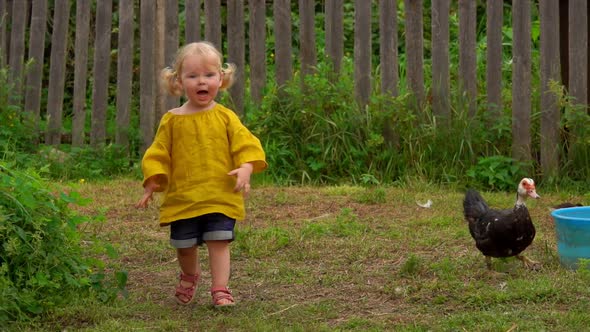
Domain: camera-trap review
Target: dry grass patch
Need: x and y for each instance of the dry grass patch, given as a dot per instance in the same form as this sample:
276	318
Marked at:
347	258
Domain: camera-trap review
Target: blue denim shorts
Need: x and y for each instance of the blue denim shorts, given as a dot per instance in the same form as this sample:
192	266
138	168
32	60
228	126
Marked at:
186	233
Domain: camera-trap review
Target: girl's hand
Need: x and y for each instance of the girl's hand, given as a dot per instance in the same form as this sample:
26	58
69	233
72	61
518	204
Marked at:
150	186
242	175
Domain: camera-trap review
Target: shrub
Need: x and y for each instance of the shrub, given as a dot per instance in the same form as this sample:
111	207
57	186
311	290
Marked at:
87	162
43	262
497	173
315	132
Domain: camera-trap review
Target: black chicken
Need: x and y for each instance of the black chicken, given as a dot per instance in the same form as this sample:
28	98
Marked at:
502	233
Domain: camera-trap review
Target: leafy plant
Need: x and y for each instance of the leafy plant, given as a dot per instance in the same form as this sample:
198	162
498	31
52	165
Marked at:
497	172
17	132
43	261
70	162
314	131
574	123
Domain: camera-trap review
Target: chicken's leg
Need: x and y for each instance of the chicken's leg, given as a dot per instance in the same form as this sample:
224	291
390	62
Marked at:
529	263
489	262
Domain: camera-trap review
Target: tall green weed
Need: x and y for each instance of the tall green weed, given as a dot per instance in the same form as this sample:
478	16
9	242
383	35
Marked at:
314	131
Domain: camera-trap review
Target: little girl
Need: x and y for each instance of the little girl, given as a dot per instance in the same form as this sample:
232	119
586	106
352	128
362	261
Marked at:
202	158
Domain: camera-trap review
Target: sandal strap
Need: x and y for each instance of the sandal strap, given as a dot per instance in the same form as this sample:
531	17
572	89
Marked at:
189	278
224	290
221	293
186	291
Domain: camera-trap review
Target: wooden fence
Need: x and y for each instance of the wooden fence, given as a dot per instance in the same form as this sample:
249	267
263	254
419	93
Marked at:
157	26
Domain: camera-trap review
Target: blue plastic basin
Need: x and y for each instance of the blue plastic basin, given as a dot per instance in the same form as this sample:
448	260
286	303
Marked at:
572	227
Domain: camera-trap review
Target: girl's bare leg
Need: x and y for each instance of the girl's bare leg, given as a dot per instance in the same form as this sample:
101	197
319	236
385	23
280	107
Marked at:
219	261
188	259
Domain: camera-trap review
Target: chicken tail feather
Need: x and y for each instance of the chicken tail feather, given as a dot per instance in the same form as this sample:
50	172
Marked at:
474	206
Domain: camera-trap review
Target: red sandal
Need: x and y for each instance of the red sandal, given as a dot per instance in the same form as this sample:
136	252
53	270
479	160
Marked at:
221	293
187	292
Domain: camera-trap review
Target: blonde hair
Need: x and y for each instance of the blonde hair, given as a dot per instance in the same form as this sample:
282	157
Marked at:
169	77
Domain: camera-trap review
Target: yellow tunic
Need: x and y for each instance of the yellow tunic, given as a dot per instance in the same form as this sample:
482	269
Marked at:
192	155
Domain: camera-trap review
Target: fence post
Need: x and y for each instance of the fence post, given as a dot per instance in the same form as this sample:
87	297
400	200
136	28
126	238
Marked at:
80	71
549	12
307	49
335	33
257	37
124	71
578	50
57	72
362	51
159	50
192	28
494	18
171	45
17	49
147	80
467	53
415	50
389	63
521	80
440	60
213	23
3	26
236	54
578	71
388	47
282	29
101	69
36	54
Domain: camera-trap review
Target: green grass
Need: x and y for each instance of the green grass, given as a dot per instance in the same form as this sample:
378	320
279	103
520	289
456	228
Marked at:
335	258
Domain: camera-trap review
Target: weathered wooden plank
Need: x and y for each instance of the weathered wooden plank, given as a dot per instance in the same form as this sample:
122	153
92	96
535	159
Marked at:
192	28
578	51
415	50
549	17
17	49
3	32
57	71
334	27
36	54
236	42
467	53
564	42
362	51
171	43
521	80
389	64
282	37
578	70
213	23
494	18
101	69
257	37
159	55
124	71
440	60
307	51
147	79
388	46
80	71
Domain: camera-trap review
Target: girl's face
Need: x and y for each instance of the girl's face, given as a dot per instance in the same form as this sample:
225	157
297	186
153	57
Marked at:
201	79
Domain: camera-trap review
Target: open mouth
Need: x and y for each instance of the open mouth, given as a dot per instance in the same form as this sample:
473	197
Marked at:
202	92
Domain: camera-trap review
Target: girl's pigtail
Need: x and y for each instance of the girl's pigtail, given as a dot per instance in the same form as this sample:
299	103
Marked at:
228	78
169	82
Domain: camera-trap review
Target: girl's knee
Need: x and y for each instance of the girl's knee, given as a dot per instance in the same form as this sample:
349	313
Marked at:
186	251
220	243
